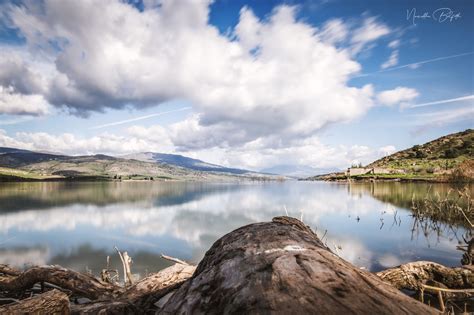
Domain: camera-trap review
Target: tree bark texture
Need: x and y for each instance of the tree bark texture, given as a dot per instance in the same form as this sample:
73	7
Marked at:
281	267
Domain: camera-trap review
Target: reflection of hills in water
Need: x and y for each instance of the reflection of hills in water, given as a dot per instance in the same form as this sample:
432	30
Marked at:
29	196
403	195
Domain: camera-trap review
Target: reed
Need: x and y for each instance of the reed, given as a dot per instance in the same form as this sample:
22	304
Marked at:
456	207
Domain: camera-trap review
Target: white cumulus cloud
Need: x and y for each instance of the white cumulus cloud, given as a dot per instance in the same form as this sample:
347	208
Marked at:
259	93
392	60
12	102
272	76
398	96
369	31
254	155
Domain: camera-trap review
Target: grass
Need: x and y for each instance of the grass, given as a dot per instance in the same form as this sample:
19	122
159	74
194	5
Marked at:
20	174
10	174
142	177
441	156
453	208
408	177
425	165
398	176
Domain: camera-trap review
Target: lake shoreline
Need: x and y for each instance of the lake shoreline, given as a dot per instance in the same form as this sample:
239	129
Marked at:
108	180
369	179
383	180
205	177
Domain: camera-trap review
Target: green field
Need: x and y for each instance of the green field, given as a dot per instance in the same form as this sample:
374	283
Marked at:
12	174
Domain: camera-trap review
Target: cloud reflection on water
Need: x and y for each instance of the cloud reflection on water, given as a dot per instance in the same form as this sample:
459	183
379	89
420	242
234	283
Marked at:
185	219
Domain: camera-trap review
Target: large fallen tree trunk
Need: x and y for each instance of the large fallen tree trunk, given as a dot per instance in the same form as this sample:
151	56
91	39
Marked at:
282	267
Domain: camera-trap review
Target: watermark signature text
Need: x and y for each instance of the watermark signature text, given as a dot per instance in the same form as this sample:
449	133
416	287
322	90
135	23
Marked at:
440	15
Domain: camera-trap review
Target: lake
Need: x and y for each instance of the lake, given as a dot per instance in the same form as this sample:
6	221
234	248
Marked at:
77	224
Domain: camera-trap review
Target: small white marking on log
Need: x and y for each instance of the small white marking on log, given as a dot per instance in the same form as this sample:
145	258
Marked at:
273	250
287	248
296	248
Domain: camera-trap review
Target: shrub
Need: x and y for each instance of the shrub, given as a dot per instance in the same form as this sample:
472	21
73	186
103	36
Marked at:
464	172
451	153
467	146
430	170
420	154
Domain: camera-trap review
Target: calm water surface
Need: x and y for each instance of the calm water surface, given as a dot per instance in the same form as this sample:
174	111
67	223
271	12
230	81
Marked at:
78	224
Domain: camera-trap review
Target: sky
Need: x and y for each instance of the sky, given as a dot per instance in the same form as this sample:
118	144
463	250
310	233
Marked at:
251	84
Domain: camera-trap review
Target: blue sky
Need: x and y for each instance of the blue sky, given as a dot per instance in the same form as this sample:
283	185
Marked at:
242	83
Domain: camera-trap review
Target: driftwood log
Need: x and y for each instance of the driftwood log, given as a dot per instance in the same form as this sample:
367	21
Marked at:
412	275
426	276
106	298
51	302
82	284
276	267
142	296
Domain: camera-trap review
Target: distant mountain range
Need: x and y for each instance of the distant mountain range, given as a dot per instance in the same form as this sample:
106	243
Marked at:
18	164
44	165
297	171
183	161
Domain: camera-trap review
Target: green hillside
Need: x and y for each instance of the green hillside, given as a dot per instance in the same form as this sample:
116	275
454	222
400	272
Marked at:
449	158
10	174
439	156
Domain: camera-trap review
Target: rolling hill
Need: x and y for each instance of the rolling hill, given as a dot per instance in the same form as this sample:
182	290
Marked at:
452	149
183	161
448	158
297	171
18	164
